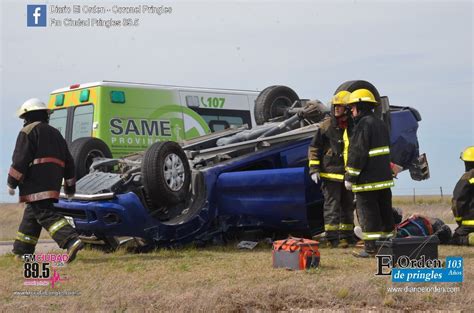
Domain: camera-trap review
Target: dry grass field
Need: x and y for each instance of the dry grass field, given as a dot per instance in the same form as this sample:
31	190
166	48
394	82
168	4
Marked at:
228	279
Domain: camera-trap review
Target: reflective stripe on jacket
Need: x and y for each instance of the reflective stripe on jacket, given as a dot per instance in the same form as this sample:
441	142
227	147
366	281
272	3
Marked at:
463	200
327	152
40	162
368	165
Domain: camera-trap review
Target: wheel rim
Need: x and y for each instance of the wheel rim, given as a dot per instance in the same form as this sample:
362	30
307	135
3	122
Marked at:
91	156
174	172
279	106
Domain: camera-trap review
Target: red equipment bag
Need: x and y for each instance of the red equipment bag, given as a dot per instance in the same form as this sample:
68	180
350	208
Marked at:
295	253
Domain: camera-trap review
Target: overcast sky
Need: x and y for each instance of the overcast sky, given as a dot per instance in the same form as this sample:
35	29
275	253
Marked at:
419	53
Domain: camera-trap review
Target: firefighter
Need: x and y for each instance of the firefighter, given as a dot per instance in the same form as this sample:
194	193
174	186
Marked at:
463	202
41	160
368	172
327	156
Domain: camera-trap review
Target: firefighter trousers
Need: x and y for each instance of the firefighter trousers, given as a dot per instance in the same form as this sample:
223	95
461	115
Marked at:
40	214
374	210
338	210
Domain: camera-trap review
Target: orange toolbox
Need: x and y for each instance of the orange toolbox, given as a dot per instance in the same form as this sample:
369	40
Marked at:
295	253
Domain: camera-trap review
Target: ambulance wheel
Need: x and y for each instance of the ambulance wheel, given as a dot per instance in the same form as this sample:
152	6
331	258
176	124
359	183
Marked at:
84	150
166	174
273	102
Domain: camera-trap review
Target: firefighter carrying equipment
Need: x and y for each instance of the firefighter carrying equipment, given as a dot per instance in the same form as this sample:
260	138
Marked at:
40	162
468	154
362	95
32	105
295	253
37	215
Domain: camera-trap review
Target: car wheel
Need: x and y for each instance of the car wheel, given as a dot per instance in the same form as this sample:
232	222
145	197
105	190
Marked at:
165	174
85	150
273	102
344	86
362	84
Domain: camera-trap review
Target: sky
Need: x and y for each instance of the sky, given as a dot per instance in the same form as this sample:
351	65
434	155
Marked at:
418	53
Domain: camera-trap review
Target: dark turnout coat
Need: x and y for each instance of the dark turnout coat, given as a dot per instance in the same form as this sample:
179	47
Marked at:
40	162
327	149
463	200
368	164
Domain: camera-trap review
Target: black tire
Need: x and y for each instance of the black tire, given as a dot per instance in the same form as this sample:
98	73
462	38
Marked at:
84	150
362	84
272	102
343	86
163	191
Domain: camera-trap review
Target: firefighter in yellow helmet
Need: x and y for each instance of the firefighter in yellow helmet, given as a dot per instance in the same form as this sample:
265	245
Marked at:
463	202
327	156
368	172
40	162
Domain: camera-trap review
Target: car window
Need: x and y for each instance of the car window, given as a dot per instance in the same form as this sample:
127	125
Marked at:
221	119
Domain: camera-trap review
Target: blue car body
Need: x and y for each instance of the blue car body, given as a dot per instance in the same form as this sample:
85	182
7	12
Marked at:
269	189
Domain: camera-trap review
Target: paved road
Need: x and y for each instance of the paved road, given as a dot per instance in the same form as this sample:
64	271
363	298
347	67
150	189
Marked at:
43	246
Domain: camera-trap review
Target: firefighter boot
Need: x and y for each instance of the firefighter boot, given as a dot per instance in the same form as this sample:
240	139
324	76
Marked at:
73	247
327	239
368	252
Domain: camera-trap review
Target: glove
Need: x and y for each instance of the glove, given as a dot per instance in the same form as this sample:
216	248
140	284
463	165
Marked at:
11	191
315	177
395	169
348	185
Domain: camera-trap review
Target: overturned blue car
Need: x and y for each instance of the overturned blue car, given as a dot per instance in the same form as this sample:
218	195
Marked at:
224	183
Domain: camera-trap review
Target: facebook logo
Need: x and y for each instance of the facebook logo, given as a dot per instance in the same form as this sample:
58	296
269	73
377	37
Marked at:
36	15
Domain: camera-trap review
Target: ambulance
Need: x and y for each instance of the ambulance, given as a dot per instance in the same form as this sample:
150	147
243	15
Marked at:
114	119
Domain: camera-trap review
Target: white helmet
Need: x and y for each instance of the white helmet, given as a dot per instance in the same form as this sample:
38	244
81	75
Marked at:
31	105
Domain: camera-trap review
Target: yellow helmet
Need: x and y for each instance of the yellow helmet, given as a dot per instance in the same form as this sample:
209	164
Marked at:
362	95
341	98
468	154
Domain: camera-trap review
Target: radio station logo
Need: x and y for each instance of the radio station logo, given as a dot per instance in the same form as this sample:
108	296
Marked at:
43	269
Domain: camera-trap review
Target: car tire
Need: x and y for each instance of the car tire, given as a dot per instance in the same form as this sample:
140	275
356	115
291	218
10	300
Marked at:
344	86
272	102
166	174
362	84
84	150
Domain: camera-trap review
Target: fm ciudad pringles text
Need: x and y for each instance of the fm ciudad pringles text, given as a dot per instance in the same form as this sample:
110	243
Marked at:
102	16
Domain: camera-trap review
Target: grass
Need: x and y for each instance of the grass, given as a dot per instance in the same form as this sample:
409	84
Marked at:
227	279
